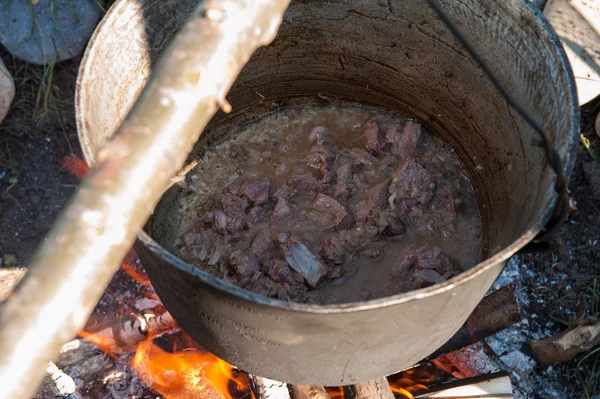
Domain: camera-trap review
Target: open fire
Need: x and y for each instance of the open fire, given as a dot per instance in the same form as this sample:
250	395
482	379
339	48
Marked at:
172	364
134	328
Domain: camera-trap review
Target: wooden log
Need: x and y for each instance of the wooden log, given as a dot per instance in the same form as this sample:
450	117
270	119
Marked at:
497	311
307	392
264	388
564	346
375	389
9	279
124	334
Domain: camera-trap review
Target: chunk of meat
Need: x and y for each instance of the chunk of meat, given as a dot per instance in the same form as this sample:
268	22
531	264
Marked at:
333	249
361	159
196	245
262	243
220	222
392	137
231	213
377	200
256	191
303	182
256	215
426	277
372	137
449	203
424	266
264	286
373	251
282	209
303	261
395	227
413	181
342	218
244	263
412	137
317	133
280	272
342	190
321	155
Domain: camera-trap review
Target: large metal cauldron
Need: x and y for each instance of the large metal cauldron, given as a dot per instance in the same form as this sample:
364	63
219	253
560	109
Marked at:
393	54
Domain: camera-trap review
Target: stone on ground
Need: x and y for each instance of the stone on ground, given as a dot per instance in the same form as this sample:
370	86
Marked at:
577	23
592	175
7	90
47	31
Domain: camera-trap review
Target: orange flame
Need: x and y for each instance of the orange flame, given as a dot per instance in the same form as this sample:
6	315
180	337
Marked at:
189	373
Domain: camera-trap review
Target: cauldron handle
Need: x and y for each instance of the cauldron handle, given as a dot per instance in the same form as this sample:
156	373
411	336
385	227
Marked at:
71	270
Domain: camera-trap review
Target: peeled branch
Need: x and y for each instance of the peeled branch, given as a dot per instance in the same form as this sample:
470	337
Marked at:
564	346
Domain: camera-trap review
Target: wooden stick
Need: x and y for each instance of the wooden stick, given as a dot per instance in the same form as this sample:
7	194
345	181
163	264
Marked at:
564	346
375	389
497	311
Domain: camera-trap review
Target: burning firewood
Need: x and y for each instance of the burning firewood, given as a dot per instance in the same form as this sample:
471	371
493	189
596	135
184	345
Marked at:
565	345
495	312
375	389
125	333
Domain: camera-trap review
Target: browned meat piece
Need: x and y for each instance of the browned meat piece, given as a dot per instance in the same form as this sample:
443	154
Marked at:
424	266
244	263
427	277
317	133
285	191
395	227
372	137
373	251
412	137
256	191
332	249
412	181
342	218
377	200
392	137
262	243
196	245
378	194
220	222
321	155
255	215
264	286
449	204
361	159
231	204
303	261
282	209
280	272
305	182
342	191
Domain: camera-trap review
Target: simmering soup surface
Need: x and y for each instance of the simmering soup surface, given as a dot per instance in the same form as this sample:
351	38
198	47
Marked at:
329	205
